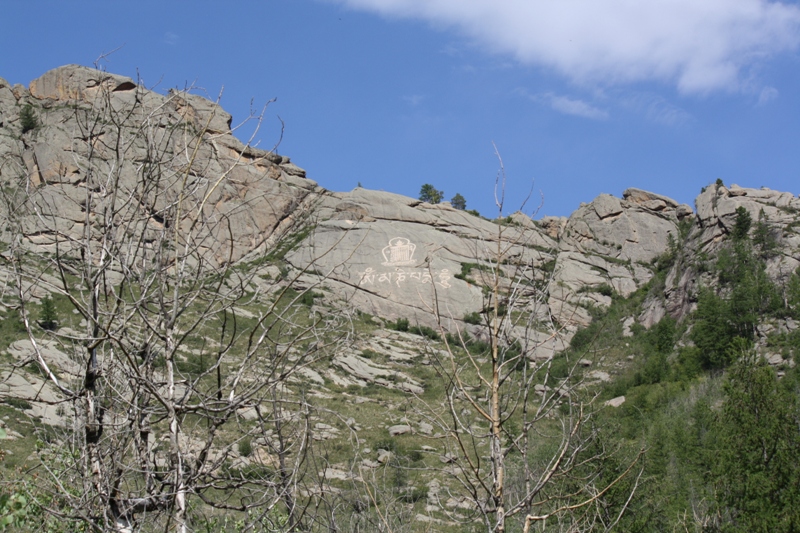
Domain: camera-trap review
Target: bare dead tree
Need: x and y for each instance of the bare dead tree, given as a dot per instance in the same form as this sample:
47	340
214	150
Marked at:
517	420
179	412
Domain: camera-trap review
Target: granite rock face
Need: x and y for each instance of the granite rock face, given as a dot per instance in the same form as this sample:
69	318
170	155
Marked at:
716	216
395	257
101	132
381	253
75	83
609	246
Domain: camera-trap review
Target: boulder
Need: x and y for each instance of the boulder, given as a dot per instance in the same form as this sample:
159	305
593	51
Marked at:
606	206
23	351
627	322
615	402
400	429
204	114
76	82
9	111
553	226
262	199
384	456
425	428
645	198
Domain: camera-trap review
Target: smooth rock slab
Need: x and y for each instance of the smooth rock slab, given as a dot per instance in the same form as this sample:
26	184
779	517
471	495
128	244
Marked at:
22	350
335	473
76	82
384	456
400	429
615	402
425	428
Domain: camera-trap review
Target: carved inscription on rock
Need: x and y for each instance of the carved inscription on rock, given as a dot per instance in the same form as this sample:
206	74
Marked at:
399	253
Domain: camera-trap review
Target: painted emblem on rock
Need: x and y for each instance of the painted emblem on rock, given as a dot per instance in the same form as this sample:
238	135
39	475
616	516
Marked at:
399	252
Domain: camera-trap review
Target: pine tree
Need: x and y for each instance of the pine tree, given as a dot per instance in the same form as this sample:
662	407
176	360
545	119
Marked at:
48	316
27	118
758	475
459	202
429	193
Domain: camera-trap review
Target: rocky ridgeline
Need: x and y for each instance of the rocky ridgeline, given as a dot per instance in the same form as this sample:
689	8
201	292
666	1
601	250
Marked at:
385	254
73	104
715	218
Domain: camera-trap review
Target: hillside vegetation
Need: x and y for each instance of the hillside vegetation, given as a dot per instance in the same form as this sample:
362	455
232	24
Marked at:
195	336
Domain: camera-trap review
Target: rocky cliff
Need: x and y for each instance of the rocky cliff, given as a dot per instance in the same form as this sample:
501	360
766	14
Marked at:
382	253
178	305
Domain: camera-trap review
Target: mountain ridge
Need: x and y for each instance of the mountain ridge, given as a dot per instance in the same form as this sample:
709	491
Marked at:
609	241
190	318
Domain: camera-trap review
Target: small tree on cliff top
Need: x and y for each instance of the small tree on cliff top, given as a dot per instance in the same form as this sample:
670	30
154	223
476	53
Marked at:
429	193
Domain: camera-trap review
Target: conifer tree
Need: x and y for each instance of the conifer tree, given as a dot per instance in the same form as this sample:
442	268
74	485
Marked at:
27	118
429	193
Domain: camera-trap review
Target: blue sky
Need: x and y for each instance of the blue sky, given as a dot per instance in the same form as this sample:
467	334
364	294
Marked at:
580	97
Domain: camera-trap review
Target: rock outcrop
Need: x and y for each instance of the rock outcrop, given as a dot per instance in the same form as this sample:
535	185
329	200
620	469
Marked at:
609	246
716	216
91	123
382	253
396	257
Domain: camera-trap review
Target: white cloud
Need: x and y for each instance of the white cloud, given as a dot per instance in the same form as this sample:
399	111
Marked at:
570	106
171	38
656	109
767	95
667	114
699	45
566	105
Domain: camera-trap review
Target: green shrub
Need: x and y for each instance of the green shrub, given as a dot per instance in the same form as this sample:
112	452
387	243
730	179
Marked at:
584	337
478	347
459	202
194	364
27	118
744	221
559	368
429	193
662	336
401	324
656	369
19	403
605	289
765	238
690	362
427	332
245	447
472	318
369	354
287	245
308	298
387	444
756	463
466	268
48	316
